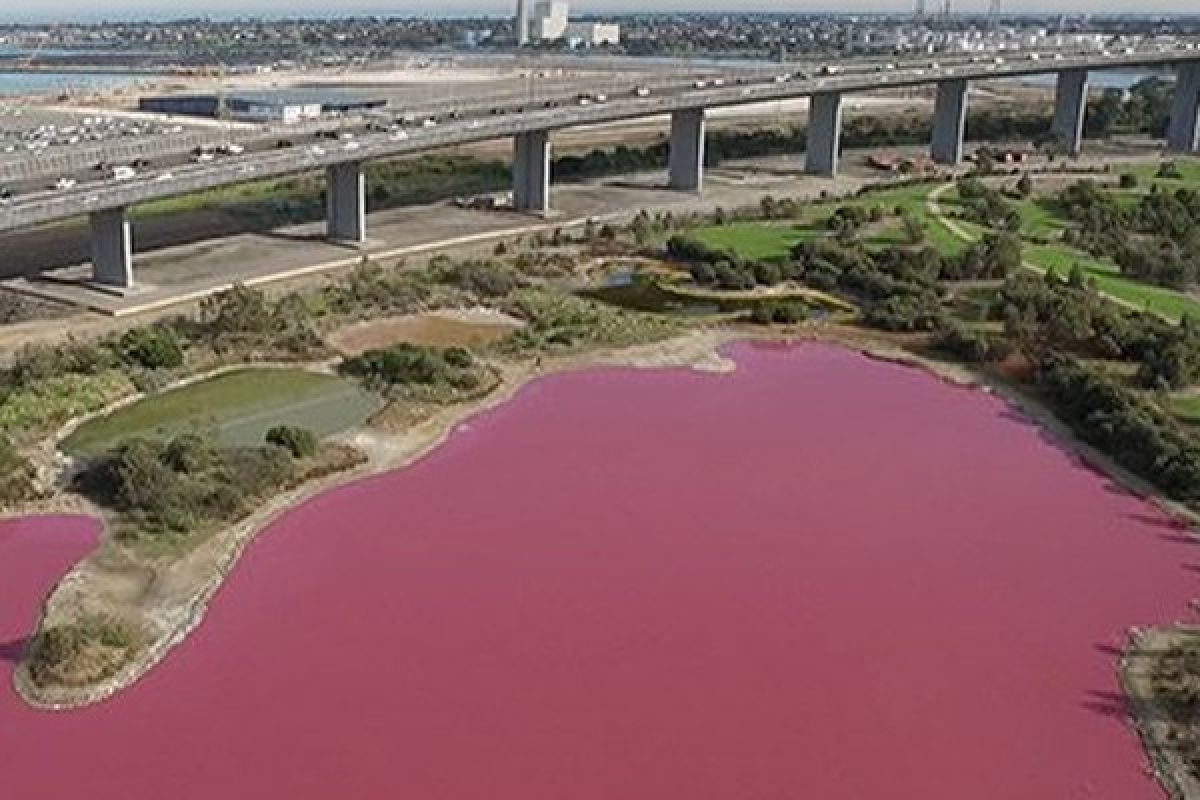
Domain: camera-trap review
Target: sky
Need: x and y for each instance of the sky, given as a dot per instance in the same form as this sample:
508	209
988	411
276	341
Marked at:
69	10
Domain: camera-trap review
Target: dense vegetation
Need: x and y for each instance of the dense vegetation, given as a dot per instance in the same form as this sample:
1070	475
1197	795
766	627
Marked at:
1136	434
899	288
82	653
189	484
408	365
1157	239
18	478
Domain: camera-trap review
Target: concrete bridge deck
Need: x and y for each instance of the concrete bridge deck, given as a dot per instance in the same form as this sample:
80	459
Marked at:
531	130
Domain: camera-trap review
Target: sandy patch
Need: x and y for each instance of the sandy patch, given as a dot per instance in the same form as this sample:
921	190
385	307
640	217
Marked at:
470	327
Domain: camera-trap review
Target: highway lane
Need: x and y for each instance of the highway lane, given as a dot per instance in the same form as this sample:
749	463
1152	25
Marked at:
79	167
743	89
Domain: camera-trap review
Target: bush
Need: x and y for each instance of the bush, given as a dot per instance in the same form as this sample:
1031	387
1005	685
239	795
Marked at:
483	278
968	345
411	365
183	485
781	313
152	348
300	442
81	653
1112	418
1169	170
18	478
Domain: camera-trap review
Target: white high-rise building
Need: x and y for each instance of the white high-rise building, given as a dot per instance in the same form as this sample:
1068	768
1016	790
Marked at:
522	22
550	18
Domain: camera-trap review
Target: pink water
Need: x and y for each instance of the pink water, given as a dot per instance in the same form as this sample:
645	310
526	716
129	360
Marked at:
819	577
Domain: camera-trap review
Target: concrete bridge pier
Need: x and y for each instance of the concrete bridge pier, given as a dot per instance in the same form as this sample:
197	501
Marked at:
531	172
950	122
824	134
346	202
1183	131
112	249
1070	108
685	153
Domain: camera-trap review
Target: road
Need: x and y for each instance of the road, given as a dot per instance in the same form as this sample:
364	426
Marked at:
507	117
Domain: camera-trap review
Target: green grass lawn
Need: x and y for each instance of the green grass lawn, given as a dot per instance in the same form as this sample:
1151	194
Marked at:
756	240
1189	171
1186	407
1147	297
238	407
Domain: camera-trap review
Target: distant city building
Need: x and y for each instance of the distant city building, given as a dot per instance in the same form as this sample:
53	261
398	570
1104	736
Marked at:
286	106
550	20
593	34
522	22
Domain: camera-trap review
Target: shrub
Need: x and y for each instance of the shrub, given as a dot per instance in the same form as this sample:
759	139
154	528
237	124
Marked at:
81	653
300	442
18	478
152	348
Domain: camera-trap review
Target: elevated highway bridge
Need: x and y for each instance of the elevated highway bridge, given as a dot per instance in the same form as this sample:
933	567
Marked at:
530	122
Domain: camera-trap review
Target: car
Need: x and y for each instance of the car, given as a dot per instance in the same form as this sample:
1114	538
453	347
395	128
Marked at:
316	150
202	157
122	173
284	144
65	183
699	84
231	149
641	91
6	195
830	70
398	136
429	122
718	82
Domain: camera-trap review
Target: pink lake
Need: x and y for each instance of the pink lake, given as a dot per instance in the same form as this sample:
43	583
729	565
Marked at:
818	577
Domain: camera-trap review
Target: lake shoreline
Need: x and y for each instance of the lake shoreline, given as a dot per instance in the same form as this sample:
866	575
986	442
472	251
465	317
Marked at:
390	452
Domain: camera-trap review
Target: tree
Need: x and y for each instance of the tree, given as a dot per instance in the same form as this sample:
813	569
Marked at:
300	442
914	231
1025	185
